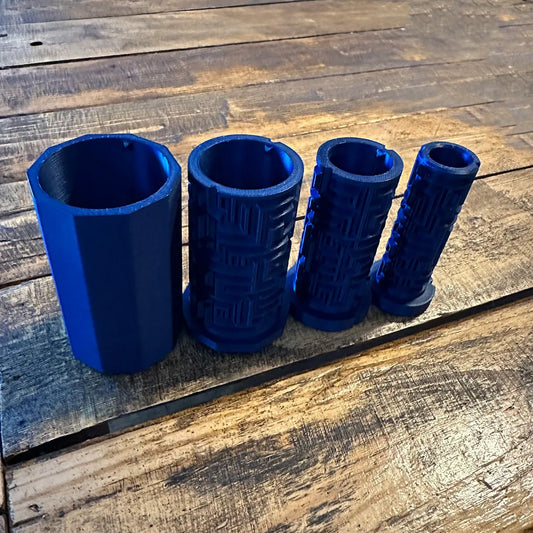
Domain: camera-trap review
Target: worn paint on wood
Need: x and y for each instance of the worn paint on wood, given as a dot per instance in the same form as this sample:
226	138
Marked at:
38	89
290	108
431	433
111	36
24	11
47	394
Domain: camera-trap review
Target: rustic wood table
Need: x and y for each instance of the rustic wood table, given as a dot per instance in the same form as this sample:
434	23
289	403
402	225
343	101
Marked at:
394	425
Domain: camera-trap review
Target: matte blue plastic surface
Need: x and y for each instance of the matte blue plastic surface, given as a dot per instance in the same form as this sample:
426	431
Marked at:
439	183
109	210
351	194
243	197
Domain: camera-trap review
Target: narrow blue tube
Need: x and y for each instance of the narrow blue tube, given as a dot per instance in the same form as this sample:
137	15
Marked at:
439	183
351	193
243	199
109	211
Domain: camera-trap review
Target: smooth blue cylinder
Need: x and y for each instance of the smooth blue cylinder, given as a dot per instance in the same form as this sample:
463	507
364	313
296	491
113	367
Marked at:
351	193
243	200
109	211
439	183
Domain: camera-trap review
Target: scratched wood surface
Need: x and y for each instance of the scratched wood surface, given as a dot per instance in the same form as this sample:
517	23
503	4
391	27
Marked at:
17	11
489	257
431	433
144	33
3	517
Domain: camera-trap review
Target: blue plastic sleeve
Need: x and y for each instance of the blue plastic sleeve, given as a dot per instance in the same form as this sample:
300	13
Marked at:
109	211
243	199
351	193
439	183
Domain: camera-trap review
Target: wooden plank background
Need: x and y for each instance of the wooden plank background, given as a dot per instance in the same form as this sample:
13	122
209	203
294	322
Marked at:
480	264
146	33
432	433
460	72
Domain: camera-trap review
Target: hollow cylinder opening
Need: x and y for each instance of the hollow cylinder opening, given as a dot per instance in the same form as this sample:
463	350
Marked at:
360	158
245	164
103	173
451	156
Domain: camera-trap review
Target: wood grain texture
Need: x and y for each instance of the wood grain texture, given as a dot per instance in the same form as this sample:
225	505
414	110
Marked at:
24	11
111	80
22	255
333	105
431	433
47	394
110	36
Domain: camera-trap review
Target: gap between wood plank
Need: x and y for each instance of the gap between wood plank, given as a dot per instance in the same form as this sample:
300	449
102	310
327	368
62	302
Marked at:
222	45
185	243
457	412
269	83
152	414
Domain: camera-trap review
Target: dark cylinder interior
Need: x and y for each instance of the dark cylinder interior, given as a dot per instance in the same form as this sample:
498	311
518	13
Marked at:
360	158
245	164
103	173
451	156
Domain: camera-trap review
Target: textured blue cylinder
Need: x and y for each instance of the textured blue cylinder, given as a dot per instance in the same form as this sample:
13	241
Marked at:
109	211
352	190
439	183
243	199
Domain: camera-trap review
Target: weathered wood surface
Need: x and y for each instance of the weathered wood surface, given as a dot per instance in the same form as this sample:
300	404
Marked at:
3	517
110	36
447	58
47	394
401	87
297	108
120	79
431	433
24	11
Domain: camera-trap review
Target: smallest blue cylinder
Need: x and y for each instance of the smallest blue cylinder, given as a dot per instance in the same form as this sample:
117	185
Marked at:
351	193
439	183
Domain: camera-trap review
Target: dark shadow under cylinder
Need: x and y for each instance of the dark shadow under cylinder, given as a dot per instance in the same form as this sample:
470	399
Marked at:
439	183
109	211
243	200
351	193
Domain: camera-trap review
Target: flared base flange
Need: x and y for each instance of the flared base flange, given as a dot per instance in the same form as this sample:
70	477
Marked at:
324	321
413	307
223	345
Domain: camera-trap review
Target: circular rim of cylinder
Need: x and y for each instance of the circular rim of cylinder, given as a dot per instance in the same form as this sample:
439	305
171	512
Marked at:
324	159
169	167
469	161
292	179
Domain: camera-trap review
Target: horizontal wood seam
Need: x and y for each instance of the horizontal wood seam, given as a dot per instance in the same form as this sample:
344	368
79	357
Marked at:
261	84
113	56
151	415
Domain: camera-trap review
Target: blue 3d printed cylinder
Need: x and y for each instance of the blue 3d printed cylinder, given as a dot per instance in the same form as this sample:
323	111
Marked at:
243	198
440	180
352	190
109	211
